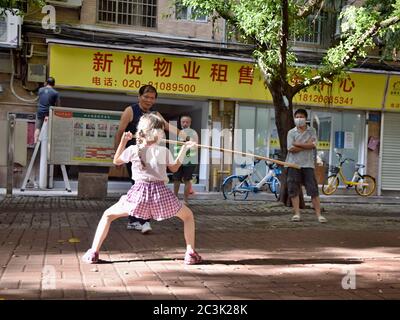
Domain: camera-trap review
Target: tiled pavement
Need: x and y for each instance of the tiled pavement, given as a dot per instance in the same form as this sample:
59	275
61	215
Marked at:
251	251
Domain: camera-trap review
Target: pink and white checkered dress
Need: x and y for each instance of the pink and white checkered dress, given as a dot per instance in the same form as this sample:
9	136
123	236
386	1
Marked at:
151	200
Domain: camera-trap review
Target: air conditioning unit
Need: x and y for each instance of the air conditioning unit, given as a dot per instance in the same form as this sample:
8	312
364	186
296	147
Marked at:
66	3
10	29
36	72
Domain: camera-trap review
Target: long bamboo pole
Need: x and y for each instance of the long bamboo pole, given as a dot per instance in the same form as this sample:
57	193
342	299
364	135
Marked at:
282	163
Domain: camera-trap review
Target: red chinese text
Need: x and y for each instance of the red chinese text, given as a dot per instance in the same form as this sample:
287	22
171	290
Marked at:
96	81
133	64
219	72
108	82
162	67
246	75
347	85
191	69
102	61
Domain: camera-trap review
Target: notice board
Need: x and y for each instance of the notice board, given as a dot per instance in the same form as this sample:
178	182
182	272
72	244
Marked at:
82	136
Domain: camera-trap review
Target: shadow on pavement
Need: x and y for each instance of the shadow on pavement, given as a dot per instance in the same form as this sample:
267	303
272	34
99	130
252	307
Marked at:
246	261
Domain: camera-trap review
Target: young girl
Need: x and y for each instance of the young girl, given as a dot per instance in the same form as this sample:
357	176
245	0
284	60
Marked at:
148	197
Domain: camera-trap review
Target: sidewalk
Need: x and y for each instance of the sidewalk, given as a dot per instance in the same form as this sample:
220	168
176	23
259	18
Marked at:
251	250
115	192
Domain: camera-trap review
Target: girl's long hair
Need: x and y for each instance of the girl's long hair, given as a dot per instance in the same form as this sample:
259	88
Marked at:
149	129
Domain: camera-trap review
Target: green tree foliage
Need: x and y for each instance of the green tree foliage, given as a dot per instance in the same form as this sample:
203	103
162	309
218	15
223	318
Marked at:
18	6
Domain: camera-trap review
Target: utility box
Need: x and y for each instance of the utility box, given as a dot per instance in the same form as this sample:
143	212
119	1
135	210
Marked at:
92	185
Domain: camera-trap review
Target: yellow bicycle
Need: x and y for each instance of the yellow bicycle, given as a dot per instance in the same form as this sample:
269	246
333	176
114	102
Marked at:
364	184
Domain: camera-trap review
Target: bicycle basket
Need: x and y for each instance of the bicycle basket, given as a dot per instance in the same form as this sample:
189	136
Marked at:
334	169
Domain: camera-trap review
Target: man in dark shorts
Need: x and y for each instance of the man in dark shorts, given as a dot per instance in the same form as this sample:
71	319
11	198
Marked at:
185	172
301	142
48	97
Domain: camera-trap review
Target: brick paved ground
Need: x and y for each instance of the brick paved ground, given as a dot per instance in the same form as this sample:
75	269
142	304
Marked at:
252	251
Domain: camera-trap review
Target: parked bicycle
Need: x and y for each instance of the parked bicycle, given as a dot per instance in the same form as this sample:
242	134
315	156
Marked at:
238	187
364	184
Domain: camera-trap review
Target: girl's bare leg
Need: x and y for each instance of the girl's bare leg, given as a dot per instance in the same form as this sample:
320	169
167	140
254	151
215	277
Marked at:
112	213
186	215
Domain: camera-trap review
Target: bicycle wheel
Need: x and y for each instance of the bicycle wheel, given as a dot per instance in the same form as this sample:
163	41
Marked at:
230	189
275	187
331	185
366	185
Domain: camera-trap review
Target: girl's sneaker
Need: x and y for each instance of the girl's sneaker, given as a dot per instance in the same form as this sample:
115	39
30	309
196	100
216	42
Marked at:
192	257
90	256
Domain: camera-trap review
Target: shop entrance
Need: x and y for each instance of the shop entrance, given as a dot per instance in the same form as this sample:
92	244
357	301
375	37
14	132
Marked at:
170	109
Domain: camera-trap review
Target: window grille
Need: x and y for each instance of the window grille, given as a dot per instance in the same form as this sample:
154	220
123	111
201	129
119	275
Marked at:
141	13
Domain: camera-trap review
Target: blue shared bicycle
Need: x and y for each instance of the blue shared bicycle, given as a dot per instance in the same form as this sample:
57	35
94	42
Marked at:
238	187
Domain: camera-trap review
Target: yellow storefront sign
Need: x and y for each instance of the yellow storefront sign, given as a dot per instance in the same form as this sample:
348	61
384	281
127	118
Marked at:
356	91
126	71
106	69
392	102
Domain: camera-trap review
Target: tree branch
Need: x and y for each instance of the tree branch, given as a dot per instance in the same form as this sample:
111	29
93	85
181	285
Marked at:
353	51
367	35
309	7
284	41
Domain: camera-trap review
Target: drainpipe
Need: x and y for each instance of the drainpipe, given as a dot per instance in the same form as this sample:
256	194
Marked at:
10	155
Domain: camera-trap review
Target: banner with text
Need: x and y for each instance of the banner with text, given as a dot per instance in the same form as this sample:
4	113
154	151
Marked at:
355	91
392	102
107	69
127	71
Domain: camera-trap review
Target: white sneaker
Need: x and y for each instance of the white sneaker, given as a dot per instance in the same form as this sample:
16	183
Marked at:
296	218
146	227
134	226
322	219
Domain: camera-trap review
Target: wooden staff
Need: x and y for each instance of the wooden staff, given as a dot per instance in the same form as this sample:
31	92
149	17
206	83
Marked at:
282	163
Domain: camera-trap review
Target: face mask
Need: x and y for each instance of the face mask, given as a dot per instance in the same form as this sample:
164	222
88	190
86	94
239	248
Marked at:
300	122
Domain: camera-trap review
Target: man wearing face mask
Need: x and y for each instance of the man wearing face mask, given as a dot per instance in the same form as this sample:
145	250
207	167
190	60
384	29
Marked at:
301	142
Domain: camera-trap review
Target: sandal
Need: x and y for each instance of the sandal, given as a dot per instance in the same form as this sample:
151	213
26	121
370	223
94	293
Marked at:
192	257
90	257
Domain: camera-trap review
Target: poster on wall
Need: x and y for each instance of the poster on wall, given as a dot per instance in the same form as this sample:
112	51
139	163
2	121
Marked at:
82	136
349	140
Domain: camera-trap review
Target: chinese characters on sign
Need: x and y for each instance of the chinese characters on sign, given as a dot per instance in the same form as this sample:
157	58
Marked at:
348	92
102	62
127	71
393	95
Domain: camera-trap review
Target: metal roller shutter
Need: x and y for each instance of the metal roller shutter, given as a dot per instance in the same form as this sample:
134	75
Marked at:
391	152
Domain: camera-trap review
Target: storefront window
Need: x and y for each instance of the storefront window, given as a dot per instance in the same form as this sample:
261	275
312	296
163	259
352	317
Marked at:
255	128
348	139
337	131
